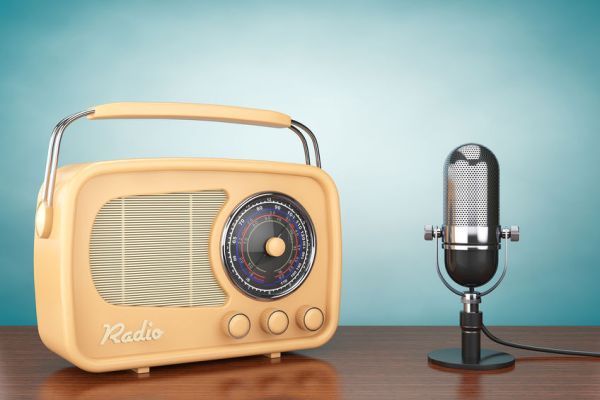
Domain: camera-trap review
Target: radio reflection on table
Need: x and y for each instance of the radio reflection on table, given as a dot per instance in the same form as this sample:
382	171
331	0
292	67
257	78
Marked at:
292	377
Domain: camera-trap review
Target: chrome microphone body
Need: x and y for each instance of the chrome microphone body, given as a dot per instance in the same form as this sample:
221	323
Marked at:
471	232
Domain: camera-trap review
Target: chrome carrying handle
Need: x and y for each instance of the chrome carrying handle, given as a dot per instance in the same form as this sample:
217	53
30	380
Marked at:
200	112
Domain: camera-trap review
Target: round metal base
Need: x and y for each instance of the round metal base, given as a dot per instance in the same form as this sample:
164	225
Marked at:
452	358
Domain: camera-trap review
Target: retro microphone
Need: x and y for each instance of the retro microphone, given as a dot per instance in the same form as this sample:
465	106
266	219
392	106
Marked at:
471	238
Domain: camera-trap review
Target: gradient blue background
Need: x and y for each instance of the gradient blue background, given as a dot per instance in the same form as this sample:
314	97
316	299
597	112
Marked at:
389	87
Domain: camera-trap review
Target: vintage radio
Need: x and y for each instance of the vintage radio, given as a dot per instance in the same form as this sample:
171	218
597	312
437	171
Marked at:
140	263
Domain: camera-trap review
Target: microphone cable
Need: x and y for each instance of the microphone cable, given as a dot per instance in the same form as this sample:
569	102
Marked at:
536	348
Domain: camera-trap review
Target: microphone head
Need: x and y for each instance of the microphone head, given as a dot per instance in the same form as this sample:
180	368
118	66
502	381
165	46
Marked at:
471	228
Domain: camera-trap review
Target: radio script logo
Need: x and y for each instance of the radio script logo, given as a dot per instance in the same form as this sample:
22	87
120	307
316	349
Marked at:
117	334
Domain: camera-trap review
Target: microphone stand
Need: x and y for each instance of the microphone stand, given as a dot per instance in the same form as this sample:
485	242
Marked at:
471	356
471	320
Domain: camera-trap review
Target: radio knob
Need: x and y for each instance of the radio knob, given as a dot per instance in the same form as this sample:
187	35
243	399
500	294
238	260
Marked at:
274	321
310	318
236	325
275	246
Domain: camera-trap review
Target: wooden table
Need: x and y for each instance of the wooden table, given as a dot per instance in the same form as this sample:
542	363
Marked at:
359	363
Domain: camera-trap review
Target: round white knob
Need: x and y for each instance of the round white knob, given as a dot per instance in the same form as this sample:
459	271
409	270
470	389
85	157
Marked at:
275	247
310	318
236	325
274	321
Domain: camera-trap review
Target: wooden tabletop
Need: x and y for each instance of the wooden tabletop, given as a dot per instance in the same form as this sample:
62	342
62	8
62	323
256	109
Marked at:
358	363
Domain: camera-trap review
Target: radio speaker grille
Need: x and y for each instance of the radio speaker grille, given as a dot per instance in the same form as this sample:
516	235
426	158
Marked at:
152	250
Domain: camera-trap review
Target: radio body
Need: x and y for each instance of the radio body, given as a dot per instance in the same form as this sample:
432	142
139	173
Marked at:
148	262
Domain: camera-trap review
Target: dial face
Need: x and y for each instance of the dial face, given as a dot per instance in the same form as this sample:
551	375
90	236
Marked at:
268	246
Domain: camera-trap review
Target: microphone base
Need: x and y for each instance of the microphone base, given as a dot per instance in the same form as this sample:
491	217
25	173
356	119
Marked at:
453	358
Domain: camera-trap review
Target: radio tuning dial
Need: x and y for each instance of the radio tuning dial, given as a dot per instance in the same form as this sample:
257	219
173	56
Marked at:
274	321
268	246
236	325
310	318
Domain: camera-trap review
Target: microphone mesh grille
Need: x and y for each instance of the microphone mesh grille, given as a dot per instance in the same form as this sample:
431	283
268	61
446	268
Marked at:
471	187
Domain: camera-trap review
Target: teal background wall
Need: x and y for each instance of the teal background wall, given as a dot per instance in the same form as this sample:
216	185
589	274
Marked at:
389	88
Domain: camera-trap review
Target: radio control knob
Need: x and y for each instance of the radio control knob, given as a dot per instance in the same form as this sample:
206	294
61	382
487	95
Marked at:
275	246
236	325
310	318
274	321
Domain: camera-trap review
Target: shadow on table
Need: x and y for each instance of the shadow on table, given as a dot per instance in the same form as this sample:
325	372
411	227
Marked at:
292	377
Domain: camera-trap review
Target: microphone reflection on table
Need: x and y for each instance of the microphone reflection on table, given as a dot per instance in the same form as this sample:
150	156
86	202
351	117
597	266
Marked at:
292	377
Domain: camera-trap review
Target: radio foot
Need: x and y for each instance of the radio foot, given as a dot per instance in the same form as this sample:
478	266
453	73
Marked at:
142	370
272	355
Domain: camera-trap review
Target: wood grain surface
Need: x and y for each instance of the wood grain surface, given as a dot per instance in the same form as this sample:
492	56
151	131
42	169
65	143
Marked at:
358	363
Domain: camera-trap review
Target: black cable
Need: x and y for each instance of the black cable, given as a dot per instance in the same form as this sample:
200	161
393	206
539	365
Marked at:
535	348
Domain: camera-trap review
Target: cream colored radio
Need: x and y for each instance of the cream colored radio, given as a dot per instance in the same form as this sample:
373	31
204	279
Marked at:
140	263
